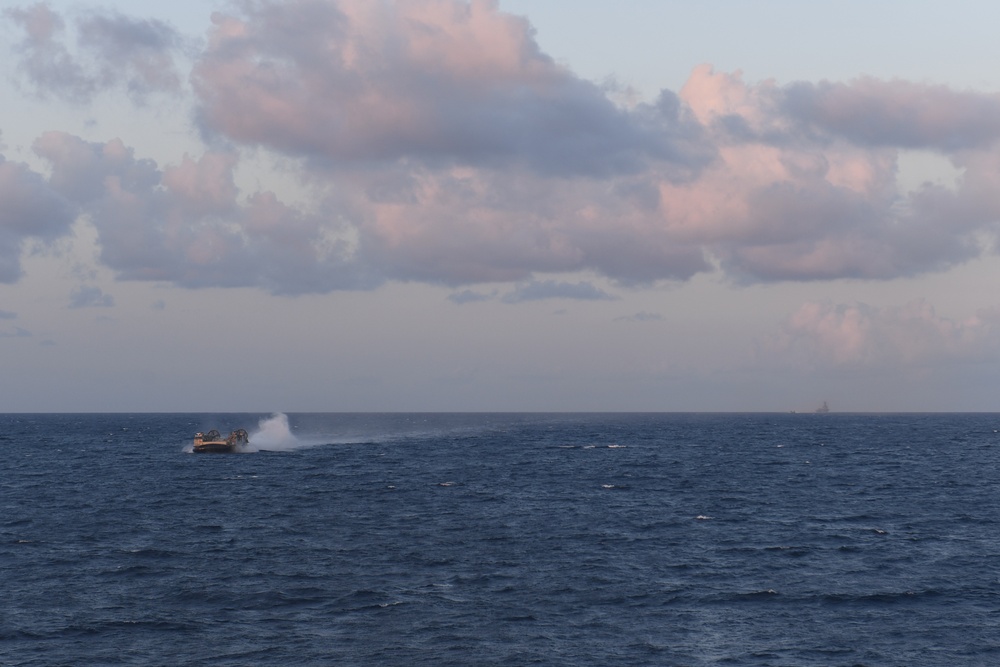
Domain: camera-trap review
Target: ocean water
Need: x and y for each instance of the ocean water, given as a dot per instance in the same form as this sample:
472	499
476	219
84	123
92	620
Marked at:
501	539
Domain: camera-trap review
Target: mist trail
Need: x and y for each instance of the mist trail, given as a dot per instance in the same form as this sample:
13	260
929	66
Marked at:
274	434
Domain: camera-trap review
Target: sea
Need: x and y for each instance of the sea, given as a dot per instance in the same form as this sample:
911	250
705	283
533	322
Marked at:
501	539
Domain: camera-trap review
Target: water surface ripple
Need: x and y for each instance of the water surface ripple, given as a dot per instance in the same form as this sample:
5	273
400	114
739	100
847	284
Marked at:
502	539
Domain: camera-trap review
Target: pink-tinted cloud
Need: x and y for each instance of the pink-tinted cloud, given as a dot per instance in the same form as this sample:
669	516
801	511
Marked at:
467	226
430	80
786	202
824	335
450	149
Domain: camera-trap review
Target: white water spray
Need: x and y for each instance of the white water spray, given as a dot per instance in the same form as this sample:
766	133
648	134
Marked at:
274	434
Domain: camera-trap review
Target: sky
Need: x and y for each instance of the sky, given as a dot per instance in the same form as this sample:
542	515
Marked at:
545	205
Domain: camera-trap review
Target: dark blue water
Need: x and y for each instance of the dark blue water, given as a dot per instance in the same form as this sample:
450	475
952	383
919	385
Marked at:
501	540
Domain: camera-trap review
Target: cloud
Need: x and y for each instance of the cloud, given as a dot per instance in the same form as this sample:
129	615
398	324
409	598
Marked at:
826	335
29	209
7	315
536	290
437	81
461	226
445	147
44	58
470	296
139	54
15	332
896	113
550	289
90	297
641	316
184	223
113	50
793	199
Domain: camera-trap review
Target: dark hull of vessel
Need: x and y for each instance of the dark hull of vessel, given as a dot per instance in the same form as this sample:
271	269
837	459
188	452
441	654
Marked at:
222	447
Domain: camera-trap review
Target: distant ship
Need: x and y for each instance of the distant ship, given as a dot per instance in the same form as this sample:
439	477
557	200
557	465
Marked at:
212	442
823	409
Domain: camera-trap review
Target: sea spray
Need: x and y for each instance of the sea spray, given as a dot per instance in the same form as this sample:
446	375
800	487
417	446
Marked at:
274	434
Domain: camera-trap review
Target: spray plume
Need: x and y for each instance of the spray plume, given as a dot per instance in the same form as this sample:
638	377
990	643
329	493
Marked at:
274	434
